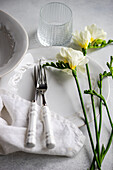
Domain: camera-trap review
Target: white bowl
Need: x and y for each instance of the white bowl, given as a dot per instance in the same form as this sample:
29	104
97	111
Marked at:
13	43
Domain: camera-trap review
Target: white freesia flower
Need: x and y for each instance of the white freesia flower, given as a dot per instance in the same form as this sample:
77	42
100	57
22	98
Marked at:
83	38
96	33
91	33
75	58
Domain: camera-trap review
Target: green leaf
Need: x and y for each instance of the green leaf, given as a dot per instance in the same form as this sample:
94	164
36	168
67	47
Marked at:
98	41
53	64
98	83
102	152
109	41
108	65
103	44
67	65
58	64
103	149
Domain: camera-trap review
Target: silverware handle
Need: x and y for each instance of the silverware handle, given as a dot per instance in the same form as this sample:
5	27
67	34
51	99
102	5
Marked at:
50	141
31	129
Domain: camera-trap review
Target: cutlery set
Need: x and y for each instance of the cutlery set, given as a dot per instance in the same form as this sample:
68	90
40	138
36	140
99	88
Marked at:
40	81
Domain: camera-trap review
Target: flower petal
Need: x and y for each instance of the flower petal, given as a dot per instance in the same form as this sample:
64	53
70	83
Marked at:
75	58
96	33
82	38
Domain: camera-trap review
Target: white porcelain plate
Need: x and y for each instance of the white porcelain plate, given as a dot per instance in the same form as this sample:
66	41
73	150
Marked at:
13	43
62	95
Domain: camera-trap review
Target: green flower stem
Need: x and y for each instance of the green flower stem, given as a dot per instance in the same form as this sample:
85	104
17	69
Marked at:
108	113
108	146
94	113
92	167
100	107
85	115
100	121
104	151
111	135
84	51
103	99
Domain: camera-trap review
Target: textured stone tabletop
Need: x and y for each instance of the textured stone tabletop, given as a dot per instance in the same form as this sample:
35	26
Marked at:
85	12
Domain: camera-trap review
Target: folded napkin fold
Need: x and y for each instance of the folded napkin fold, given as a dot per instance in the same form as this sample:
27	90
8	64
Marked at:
13	126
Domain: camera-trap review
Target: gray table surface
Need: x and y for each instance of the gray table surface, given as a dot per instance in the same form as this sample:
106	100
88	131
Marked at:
85	12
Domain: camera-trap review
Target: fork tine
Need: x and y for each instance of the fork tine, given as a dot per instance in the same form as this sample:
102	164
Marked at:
45	78
40	73
35	75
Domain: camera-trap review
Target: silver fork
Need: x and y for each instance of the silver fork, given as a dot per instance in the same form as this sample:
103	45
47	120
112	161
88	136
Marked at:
32	116
46	115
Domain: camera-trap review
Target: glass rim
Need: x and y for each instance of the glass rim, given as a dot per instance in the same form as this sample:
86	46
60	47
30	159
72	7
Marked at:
55	24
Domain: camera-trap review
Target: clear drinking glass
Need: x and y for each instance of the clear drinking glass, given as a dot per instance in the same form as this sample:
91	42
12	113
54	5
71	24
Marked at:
55	24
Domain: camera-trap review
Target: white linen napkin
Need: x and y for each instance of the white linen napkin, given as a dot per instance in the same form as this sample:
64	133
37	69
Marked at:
13	126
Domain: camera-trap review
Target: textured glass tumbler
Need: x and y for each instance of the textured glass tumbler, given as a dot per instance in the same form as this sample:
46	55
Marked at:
55	24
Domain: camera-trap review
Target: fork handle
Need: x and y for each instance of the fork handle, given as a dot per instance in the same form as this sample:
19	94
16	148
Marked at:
31	131
50	141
